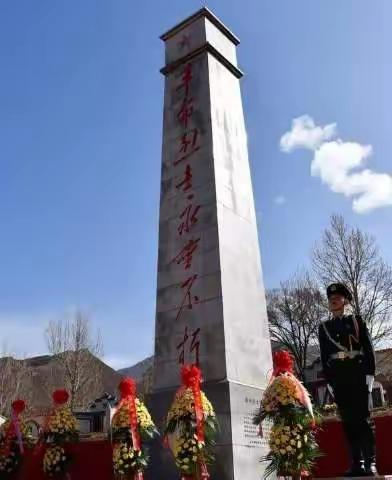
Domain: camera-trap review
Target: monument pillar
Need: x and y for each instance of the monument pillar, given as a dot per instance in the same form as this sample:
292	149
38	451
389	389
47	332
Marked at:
210	296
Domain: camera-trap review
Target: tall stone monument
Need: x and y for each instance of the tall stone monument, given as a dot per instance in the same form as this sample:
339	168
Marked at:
210	301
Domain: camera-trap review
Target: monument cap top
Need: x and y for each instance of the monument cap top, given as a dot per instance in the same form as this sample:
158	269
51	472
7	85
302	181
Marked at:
203	12
201	33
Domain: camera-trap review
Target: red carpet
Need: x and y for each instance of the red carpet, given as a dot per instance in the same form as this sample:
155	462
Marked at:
93	460
332	444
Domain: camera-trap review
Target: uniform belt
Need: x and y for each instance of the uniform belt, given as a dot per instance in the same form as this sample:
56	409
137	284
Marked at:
345	355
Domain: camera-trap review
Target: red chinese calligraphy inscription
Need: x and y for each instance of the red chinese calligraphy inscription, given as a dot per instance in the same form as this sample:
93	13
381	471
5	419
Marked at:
194	347
189	299
186	254
184	42
188	145
186	183
181	347
186	112
186	79
189	218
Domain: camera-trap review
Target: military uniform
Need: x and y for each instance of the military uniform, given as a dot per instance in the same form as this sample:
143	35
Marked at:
347	357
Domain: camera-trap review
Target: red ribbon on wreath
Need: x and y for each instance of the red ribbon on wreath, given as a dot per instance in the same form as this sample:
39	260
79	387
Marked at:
284	364
204	472
60	397
204	475
191	378
17	408
127	390
13	429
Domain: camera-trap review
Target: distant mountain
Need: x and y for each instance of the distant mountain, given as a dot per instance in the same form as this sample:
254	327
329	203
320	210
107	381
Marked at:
40	376
138	370
142	371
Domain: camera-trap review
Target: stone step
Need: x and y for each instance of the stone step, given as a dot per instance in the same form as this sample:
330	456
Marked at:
379	477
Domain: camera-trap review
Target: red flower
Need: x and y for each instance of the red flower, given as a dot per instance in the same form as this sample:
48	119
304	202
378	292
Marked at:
191	375
127	387
283	362
18	406
60	396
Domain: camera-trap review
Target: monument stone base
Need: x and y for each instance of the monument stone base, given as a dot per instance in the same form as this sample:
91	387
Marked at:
239	446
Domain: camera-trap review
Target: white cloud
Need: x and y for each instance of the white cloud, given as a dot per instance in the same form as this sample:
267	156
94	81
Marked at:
280	200
340	165
333	161
375	188
305	134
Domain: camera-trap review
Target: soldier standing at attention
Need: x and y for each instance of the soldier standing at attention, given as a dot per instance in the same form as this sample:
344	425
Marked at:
348	363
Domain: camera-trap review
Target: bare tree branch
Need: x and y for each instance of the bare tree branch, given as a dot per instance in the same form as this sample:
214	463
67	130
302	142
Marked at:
350	256
13	374
74	348
294	314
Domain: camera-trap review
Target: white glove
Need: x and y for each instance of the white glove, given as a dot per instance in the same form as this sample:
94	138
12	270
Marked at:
369	382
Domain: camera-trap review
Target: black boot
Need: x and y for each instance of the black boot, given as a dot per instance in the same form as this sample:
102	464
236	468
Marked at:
356	470
369	449
370	467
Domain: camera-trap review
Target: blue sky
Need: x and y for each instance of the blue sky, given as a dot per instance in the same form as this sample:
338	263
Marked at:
80	144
